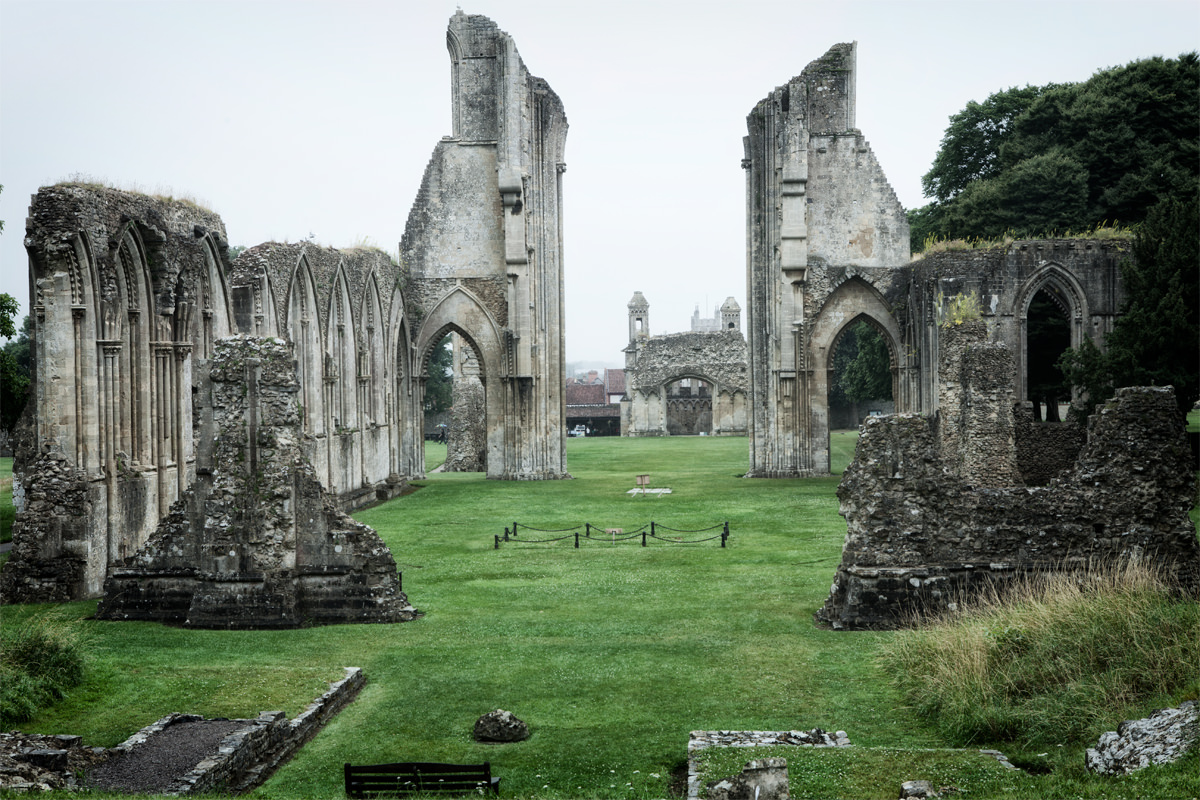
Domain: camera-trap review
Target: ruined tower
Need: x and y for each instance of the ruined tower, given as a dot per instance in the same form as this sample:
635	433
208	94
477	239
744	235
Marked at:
825	235
483	247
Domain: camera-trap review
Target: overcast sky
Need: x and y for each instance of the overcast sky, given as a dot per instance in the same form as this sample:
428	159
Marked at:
295	117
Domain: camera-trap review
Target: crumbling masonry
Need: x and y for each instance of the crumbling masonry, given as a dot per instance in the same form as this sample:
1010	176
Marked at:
131	297
828	246
937	510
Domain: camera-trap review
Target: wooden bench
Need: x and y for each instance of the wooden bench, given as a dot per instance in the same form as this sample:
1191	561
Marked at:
416	777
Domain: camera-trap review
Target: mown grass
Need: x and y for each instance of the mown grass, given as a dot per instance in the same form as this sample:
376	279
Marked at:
612	653
6	500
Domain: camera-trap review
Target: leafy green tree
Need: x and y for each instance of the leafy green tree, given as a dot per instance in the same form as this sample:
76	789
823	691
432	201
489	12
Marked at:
971	145
14	374
1040	160
439	385
1154	342
861	367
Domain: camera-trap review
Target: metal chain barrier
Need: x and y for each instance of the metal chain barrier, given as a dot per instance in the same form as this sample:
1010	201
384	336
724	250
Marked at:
597	533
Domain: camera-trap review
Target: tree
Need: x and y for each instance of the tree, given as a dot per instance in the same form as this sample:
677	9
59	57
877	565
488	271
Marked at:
861	367
971	145
439	385
1154	342
1044	160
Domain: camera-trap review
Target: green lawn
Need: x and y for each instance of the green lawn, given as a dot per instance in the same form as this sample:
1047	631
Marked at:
612	653
6	506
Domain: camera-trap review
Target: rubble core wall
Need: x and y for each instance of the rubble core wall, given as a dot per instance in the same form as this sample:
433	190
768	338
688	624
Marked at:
926	529
255	541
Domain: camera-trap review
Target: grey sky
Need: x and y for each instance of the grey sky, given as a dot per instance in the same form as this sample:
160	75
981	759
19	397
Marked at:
296	117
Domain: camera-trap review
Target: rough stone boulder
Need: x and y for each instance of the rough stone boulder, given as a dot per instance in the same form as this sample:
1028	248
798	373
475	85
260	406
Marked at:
1161	738
255	542
500	726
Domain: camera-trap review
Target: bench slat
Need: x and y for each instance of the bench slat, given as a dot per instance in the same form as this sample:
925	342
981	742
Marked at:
418	777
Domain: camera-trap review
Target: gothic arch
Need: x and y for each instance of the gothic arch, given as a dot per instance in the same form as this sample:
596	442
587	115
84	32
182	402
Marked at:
374	372
690	413
134	360
1065	290
463	313
213	300
404	392
341	366
852	301
304	329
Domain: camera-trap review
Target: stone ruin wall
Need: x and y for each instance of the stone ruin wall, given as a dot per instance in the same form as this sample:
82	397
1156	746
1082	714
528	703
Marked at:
483	247
826	236
655	362
127	297
130	294
927	525
256	541
1082	275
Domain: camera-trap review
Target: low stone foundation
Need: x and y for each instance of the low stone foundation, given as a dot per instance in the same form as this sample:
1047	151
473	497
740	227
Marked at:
249	755
701	740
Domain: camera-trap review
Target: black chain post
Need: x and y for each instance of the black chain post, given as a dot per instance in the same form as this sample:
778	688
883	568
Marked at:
505	538
576	540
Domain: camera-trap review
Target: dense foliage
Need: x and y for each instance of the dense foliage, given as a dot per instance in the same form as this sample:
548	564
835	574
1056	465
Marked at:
40	659
440	383
1154	342
861	367
14	369
1057	660
1037	160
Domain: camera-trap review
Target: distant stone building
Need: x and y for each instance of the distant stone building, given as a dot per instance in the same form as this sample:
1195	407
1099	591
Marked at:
684	384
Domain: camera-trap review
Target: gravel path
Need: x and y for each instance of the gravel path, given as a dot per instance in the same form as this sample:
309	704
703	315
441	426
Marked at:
169	754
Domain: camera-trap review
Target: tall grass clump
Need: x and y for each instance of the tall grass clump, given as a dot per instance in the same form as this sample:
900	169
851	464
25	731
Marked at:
40	660
1057	658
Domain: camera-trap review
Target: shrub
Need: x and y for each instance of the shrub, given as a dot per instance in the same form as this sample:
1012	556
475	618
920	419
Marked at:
1058	658
40	660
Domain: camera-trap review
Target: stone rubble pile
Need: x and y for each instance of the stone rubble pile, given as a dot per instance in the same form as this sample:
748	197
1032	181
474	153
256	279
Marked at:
1161	738
31	762
700	740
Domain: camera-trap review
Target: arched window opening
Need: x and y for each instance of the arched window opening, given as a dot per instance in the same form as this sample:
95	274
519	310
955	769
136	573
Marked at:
860	381
689	407
1048	336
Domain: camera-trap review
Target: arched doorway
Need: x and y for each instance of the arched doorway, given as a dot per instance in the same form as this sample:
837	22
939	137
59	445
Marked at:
689	406
1047	337
862	375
